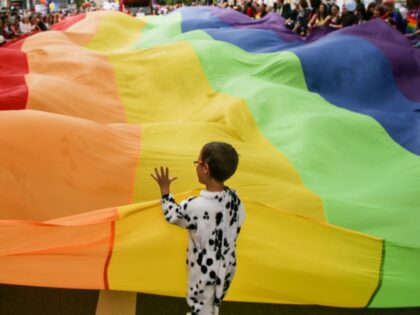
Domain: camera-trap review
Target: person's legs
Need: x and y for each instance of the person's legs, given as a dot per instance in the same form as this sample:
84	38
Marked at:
208	308
202	303
216	310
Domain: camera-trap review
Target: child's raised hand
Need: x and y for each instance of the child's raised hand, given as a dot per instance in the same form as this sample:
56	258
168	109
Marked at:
163	179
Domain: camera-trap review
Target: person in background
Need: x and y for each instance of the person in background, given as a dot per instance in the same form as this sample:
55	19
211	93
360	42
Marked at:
378	12
393	16
413	16
348	17
412	31
14	26
6	32
335	20
282	9
320	18
25	26
360	12
249	9
369	11
302	18
41	24
34	24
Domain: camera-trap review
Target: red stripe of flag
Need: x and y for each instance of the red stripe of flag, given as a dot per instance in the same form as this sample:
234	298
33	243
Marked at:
108	257
13	88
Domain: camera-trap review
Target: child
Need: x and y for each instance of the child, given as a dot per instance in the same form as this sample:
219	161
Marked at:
214	220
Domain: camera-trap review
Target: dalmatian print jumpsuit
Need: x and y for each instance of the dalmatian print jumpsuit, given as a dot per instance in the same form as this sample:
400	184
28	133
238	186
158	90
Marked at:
214	220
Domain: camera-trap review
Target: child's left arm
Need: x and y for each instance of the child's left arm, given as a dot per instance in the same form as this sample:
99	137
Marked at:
178	214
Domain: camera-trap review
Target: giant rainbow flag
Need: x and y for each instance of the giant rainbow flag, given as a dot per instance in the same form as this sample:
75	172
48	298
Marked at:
328	132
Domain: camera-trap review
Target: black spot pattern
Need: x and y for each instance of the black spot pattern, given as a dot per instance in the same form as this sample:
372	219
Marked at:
212	274
192	227
212	221
219	217
178	214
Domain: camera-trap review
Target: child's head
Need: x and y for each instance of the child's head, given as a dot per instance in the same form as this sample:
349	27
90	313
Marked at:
217	160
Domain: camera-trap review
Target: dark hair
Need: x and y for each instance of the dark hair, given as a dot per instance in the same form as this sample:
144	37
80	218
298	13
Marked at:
371	5
303	4
315	4
381	9
222	159
318	11
335	6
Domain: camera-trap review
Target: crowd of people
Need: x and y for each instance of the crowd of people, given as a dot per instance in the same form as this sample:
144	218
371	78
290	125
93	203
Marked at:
301	16
16	24
304	16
